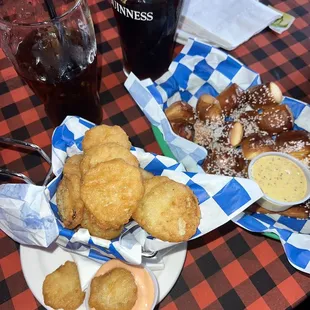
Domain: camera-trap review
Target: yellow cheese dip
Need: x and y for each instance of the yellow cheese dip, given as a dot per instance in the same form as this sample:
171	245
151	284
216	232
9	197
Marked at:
280	178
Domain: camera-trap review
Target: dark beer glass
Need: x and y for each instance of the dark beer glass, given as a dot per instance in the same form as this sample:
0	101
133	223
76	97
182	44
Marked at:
147	30
56	58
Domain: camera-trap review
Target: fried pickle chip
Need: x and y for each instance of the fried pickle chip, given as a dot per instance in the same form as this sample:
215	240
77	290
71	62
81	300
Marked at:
105	134
69	202
62	288
168	211
145	174
105	152
111	191
114	290
153	182
94	228
72	165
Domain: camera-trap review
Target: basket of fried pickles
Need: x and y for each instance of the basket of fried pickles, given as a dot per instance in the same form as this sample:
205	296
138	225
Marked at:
108	194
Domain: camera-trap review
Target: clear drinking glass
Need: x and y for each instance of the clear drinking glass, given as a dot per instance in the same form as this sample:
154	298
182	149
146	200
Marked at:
56	57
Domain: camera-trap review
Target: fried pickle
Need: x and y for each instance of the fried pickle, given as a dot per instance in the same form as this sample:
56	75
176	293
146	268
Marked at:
94	228
70	205
62	288
68	197
105	134
105	152
168	211
152	183
145	174
114	290
111	191
72	165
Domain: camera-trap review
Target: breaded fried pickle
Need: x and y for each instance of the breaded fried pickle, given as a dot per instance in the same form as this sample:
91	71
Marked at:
153	182
72	165
68	198
70	205
115	290
105	134
105	152
94	228
62	288
145	174
111	191
168	211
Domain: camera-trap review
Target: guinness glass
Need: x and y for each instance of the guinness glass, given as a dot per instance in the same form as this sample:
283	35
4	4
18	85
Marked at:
147	30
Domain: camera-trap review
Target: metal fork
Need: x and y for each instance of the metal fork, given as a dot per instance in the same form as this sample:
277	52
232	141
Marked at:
27	146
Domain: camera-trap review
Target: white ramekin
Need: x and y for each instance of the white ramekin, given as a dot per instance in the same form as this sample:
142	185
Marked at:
275	205
155	283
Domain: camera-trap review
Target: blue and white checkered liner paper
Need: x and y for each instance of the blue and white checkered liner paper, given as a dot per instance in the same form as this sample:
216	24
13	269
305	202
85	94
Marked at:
220	199
201	68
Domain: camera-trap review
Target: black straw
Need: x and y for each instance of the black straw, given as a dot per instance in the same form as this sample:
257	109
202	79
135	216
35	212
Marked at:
53	15
61	32
50	8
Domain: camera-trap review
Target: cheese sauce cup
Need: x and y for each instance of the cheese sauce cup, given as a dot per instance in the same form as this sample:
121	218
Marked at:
284	180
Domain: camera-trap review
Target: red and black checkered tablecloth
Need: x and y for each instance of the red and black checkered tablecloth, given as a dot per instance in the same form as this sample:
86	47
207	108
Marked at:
228	268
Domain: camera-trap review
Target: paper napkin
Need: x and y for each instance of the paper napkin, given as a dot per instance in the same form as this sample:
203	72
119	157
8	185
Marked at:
224	23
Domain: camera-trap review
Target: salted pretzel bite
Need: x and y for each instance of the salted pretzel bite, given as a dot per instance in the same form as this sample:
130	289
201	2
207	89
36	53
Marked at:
230	163
180	112
264	95
229	98
256	144
276	119
208	108
233	132
181	118
183	130
295	143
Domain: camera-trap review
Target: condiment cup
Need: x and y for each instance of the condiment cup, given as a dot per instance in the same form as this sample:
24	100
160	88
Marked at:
275	205
156	287
156	290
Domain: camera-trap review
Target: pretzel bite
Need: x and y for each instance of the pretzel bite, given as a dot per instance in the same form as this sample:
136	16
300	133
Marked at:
256	144
299	211
295	143
230	163
229	98
169	211
62	288
264	95
232	133
276	119
184	130
180	112
105	134
208	108
181	118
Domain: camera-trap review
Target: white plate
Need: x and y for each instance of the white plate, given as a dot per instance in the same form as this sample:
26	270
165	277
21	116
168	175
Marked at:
38	263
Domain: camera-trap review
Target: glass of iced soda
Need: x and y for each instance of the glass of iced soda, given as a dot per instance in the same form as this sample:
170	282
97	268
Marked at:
56	57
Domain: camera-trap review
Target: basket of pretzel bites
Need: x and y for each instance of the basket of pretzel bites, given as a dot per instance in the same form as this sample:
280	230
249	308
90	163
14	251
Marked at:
238	125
